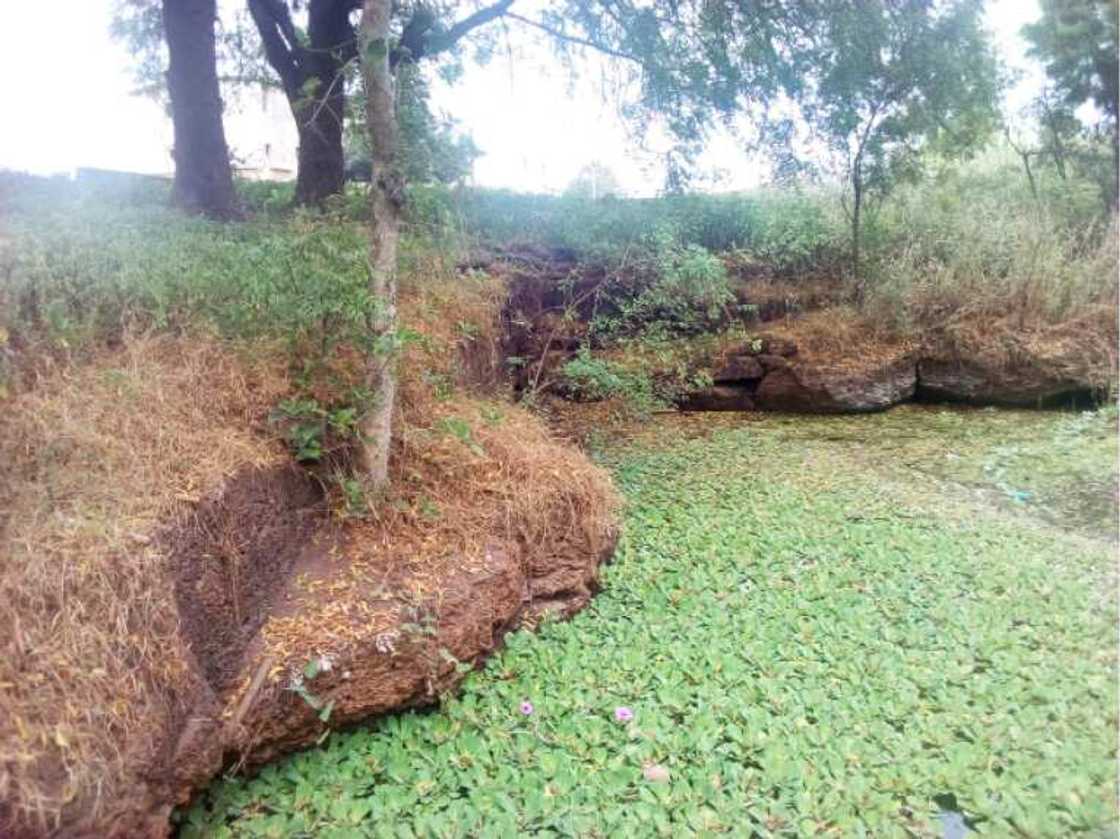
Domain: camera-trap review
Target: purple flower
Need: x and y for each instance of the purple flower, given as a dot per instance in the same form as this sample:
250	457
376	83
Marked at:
527	707
623	714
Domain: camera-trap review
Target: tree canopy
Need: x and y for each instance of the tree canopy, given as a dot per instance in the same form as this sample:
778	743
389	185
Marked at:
885	83
1076	41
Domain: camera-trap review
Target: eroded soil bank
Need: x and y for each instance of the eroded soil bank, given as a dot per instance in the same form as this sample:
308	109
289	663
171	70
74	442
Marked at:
784	347
301	624
184	599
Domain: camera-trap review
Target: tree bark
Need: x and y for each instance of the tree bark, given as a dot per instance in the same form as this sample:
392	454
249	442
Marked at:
203	177
857	205
386	200
1026	157
321	170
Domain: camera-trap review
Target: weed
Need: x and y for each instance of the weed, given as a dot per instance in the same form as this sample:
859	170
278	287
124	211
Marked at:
592	379
297	684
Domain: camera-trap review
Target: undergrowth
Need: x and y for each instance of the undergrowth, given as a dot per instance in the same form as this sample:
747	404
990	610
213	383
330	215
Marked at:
971	239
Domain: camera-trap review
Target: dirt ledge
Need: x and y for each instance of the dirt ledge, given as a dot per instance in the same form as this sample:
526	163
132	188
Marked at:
262	560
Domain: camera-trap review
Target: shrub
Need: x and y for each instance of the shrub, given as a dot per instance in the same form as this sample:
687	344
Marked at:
670	288
594	379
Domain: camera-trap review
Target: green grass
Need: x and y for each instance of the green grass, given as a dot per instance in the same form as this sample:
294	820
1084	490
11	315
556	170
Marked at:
823	627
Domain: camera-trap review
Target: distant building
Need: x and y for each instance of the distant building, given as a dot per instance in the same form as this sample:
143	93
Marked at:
262	135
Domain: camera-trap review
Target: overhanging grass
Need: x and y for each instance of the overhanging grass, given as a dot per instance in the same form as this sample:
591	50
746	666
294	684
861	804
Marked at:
813	642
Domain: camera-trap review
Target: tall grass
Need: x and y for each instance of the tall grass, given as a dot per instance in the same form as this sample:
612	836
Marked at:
976	239
969	237
81	264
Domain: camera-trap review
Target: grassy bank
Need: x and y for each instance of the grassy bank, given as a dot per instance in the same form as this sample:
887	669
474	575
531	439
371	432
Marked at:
821	627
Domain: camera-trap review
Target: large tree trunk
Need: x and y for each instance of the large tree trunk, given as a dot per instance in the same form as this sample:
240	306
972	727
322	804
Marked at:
321	165
386	199
203	178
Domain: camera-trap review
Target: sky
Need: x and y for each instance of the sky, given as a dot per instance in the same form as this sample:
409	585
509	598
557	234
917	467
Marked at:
536	130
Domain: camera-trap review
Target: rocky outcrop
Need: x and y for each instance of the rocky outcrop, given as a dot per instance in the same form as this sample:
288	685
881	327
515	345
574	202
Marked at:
770	374
720	397
803	388
973	381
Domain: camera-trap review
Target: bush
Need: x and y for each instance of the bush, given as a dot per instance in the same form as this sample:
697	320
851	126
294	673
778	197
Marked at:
594	379
976	239
669	288
79	271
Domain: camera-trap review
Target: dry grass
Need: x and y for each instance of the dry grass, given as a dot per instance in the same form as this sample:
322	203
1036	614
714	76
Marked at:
1080	348
1042	278
94	458
841	339
498	481
468	472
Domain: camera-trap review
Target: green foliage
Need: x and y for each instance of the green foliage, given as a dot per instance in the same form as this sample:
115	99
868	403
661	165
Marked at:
433	148
460	429
138	26
889	82
593	379
966	233
813	642
297	684
82	269
793	231
687	292
1076	40
269	197
1077	43
312	430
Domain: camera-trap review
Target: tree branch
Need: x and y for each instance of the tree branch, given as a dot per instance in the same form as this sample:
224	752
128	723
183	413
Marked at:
573	39
417	41
281	45
479	18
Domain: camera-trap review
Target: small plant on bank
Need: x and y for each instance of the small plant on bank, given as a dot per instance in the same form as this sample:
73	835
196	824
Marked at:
297	684
313	430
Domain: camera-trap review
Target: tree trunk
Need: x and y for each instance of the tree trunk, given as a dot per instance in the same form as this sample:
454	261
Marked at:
857	204
321	171
203	178
1026	158
321	165
386	199
1112	196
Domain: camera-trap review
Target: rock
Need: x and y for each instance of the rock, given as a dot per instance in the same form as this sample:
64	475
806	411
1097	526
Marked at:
723	397
804	389
738	369
772	362
973	382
